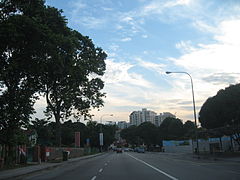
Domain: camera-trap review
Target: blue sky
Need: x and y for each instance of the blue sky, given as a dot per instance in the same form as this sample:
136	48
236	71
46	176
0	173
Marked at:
145	38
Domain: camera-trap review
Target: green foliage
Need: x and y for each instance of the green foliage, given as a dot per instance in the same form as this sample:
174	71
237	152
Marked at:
40	54
20	55
189	129
172	129
46	133
148	133
222	109
130	135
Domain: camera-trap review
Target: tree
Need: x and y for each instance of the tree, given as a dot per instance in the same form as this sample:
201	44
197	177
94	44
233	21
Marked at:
20	55
130	135
93	133
72	69
171	129
189	129
223	110
109	134
68	133
148	132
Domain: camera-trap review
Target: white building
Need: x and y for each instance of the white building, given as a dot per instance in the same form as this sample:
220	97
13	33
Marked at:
111	123
122	124
160	118
135	118
138	117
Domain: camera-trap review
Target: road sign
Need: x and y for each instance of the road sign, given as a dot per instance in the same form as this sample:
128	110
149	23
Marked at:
101	139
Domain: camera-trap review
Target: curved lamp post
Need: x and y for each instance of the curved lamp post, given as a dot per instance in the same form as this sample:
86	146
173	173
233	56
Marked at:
194	108
101	132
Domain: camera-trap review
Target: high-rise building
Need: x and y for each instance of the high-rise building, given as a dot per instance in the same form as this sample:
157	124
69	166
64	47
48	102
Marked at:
138	117
135	118
122	124
160	118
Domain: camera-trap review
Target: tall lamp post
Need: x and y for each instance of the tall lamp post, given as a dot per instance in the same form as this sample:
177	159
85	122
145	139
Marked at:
194	108
101	131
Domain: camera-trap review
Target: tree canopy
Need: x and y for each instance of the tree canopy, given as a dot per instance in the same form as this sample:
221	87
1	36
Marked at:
148	134
221	110
172	128
41	55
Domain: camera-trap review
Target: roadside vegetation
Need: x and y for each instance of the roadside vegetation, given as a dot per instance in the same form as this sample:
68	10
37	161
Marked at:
42	57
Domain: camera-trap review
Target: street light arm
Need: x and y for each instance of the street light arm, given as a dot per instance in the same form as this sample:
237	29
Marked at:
194	106
193	98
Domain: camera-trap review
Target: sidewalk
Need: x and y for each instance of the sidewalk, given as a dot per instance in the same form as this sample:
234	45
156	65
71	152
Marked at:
210	157
218	158
13	173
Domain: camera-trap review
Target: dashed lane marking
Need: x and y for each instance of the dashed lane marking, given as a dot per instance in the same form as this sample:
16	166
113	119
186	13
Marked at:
100	170
156	169
94	177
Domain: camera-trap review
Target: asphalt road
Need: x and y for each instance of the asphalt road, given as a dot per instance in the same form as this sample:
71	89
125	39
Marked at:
146	166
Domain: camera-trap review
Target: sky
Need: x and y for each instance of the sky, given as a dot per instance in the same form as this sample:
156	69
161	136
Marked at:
146	38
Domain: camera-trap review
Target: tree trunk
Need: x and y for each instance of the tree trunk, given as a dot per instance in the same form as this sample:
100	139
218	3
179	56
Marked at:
58	131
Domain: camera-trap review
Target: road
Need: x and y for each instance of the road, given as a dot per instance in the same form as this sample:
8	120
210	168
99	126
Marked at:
145	166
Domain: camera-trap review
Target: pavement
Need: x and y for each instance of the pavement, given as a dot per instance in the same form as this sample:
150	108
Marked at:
13	173
18	172
229	158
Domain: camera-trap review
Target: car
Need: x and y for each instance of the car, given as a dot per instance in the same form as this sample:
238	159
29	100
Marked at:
119	150
140	150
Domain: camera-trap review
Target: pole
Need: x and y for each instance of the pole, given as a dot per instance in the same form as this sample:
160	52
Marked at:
101	131
194	107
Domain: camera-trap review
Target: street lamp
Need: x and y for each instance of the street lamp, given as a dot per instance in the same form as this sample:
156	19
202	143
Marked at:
193	99
101	132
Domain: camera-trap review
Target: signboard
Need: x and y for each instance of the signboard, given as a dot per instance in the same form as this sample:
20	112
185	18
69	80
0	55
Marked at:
77	139
101	139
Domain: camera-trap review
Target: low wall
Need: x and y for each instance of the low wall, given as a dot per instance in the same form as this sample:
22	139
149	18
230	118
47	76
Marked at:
184	146
53	153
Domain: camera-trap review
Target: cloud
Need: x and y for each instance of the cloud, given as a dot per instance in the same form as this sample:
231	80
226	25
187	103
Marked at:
118	72
222	78
126	39
151	66
185	46
221	56
204	26
91	22
213	65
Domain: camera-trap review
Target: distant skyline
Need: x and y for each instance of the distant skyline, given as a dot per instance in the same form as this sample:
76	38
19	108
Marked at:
146	38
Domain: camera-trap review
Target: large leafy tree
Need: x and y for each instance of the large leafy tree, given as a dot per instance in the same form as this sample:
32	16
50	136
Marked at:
130	135
189	129
223	110
148	133
20	56
73	66
172	129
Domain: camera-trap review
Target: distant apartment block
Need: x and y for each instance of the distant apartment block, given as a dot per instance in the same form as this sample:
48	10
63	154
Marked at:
138	117
112	123
122	124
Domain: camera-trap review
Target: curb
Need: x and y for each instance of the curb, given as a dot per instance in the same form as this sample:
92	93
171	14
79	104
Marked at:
48	166
216	159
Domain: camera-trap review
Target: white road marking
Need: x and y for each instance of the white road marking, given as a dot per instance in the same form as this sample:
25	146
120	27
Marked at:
105	164
158	170
100	170
94	177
